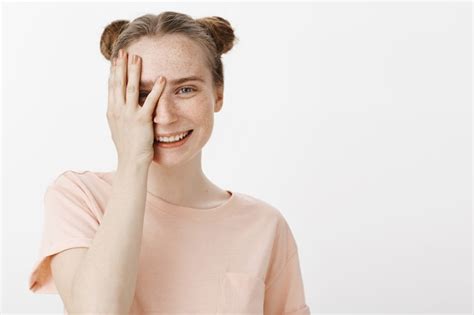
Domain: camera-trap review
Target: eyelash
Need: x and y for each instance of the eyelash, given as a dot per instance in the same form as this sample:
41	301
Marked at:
144	94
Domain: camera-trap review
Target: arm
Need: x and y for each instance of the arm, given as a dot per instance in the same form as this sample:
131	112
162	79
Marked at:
105	280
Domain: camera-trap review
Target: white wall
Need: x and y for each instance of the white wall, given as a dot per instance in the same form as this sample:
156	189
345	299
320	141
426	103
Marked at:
366	112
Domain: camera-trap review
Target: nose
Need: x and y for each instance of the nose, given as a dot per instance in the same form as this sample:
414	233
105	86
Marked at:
164	111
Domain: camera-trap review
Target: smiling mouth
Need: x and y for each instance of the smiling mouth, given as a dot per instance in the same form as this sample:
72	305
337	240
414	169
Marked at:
189	132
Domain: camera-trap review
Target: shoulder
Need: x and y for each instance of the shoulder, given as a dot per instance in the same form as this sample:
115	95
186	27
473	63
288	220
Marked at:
77	185
77	179
271	221
253	202
263	211
76	194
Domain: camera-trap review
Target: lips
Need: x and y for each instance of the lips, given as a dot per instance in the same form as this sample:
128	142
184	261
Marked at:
189	132
172	134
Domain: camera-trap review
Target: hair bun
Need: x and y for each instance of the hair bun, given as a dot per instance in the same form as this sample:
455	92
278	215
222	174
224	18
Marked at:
109	35
221	31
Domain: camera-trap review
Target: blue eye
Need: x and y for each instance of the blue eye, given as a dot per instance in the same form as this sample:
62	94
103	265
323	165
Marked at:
187	87
145	94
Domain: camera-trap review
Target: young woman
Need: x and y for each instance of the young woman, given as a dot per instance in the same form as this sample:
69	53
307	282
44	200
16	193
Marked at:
156	235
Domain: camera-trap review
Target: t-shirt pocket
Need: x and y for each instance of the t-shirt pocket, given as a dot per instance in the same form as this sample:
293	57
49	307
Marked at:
241	293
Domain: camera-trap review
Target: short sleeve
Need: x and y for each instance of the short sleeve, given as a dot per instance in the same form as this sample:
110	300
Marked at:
285	294
68	222
284	290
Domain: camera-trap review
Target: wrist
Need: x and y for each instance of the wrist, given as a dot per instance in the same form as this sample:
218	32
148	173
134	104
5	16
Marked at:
125	167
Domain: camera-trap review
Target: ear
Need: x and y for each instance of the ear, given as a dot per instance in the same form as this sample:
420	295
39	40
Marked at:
219	97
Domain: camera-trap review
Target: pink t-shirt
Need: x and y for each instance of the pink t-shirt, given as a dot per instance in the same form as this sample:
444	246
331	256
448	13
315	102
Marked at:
239	257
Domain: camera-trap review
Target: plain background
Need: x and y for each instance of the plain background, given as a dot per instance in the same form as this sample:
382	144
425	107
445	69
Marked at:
354	119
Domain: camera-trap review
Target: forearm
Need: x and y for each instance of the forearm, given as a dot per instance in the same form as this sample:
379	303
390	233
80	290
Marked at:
105	281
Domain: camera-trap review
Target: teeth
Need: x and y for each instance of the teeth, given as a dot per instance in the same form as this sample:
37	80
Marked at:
173	139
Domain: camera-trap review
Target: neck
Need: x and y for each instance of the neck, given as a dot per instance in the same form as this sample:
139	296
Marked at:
183	184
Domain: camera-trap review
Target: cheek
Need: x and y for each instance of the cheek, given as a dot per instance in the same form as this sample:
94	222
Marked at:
202	112
206	119
204	116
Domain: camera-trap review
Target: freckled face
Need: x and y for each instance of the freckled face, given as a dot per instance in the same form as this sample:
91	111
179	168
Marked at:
184	106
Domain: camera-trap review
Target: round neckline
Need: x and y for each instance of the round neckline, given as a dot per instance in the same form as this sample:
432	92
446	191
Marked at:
162	205
220	210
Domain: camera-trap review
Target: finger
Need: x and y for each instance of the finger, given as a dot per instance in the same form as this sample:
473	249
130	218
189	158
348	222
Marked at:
111	98
120	78
133	82
152	98
111	105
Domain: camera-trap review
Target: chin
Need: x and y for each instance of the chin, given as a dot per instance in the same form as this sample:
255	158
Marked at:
173	158
179	156
167	160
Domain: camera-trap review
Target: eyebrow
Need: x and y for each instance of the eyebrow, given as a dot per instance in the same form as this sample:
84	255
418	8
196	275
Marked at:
148	83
